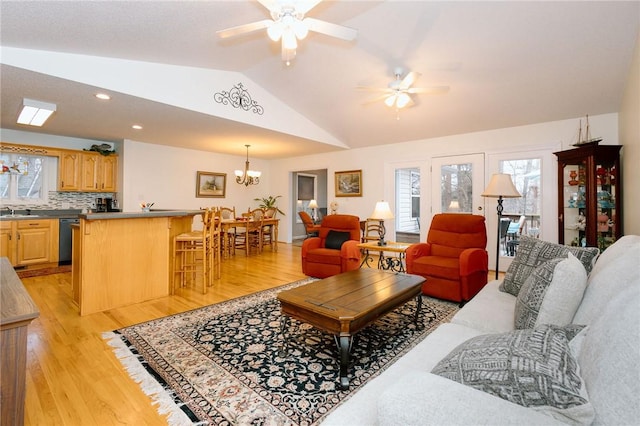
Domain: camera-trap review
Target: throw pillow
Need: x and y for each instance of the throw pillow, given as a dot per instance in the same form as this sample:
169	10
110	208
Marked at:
532	252
535	368
551	294
336	238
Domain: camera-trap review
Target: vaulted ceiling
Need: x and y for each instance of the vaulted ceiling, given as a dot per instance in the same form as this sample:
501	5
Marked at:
506	63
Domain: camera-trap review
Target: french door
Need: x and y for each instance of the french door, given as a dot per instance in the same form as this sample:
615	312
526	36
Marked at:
456	184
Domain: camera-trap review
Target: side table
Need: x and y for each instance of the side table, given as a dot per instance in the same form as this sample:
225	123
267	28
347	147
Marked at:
392	262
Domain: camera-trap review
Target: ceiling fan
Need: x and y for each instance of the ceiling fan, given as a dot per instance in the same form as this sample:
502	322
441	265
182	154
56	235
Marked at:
399	91
289	24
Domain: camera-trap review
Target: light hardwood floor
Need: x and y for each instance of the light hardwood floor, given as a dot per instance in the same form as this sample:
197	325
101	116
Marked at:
73	376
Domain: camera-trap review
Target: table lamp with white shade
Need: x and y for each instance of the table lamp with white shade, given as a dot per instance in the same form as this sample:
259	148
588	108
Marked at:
381	212
501	186
313	204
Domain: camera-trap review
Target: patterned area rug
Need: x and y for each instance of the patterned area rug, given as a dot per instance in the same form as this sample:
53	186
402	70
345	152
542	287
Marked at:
223	364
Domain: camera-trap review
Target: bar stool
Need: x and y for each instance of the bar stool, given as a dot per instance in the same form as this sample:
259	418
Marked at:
192	255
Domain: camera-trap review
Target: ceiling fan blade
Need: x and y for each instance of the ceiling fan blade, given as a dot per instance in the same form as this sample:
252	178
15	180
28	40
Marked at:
435	90
333	30
409	80
244	29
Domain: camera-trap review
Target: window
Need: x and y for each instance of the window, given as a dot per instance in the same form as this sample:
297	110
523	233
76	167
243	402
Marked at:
305	192
23	178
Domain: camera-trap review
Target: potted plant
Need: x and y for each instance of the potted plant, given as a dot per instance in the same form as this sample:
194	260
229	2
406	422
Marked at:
269	203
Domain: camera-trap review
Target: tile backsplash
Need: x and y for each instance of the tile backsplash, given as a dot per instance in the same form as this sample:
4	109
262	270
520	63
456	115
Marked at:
69	200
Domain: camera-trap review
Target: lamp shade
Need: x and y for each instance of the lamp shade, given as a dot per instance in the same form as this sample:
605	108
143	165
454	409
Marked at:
382	211
501	185
313	204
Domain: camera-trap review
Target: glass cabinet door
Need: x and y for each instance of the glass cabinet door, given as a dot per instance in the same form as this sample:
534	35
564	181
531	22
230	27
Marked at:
589	196
574	204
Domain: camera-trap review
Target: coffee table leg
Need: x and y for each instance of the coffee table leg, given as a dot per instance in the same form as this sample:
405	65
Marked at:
345	345
284	323
418	307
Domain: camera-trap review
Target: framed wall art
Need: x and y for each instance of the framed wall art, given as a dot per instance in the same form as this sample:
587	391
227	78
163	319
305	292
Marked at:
349	183
211	185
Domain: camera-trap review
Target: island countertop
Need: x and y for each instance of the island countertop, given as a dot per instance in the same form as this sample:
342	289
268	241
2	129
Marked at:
122	258
139	214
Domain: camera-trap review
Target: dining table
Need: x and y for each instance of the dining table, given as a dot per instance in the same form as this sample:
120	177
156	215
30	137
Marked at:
227	225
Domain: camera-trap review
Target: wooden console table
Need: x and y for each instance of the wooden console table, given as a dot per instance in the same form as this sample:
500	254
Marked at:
16	313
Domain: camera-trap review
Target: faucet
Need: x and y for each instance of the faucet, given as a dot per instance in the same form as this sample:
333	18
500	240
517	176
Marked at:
13	212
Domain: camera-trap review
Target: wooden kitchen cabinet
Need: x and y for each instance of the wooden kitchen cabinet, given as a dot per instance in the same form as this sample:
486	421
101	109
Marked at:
69	171
30	241
7	244
87	171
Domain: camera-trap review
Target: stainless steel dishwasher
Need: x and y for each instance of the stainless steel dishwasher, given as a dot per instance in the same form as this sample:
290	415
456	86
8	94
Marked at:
64	245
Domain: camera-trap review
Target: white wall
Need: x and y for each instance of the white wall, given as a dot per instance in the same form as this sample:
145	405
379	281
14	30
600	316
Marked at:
166	175
378	163
630	138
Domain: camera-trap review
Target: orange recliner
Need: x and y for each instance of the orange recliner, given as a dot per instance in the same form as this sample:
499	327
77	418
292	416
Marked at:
454	260
335	249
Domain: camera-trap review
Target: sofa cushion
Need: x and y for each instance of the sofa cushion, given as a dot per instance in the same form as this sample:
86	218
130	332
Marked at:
490	311
335	239
551	294
610	354
360	408
419	398
534	368
532	252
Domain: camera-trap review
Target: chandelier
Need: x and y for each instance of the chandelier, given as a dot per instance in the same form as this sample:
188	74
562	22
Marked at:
248	177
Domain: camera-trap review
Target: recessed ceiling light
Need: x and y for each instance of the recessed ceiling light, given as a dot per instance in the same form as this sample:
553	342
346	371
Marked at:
103	96
137	127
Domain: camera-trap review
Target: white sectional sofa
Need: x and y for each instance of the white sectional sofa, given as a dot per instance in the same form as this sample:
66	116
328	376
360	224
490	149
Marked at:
607	352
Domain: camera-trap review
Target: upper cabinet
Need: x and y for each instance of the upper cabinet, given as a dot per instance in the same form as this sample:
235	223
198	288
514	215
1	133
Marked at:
69	171
87	171
590	195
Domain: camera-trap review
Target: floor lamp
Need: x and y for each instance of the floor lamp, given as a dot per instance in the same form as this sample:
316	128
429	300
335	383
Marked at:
501	186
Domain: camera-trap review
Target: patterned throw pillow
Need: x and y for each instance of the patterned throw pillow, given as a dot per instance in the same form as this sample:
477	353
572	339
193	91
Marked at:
534	368
551	294
532	252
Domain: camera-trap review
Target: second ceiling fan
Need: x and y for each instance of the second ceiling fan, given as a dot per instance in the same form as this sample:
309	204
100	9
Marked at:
398	93
289	24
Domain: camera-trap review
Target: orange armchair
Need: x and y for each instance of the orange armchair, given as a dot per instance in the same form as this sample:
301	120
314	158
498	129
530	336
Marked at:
454	260
310	228
335	249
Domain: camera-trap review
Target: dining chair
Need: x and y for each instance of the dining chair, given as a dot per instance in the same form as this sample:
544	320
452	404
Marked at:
251	236
373	230
228	236
192	255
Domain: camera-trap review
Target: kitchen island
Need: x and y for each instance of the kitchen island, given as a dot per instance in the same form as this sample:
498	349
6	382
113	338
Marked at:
124	258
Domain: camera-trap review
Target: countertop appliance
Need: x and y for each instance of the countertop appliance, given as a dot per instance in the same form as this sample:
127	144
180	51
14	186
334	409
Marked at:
64	244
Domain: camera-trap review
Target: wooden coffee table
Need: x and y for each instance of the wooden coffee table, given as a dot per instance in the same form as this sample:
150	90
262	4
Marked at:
346	303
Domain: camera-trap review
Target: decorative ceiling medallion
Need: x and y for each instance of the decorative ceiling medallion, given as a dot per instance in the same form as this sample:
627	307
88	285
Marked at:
238	97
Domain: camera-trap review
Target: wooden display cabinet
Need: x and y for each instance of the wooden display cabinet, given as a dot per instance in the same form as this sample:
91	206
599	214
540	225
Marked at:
589	196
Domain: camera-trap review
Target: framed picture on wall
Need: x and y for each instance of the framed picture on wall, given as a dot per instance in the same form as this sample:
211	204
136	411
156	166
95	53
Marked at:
349	183
211	185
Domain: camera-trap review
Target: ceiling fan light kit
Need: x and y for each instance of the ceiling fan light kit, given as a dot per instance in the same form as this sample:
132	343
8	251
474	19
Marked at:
289	25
